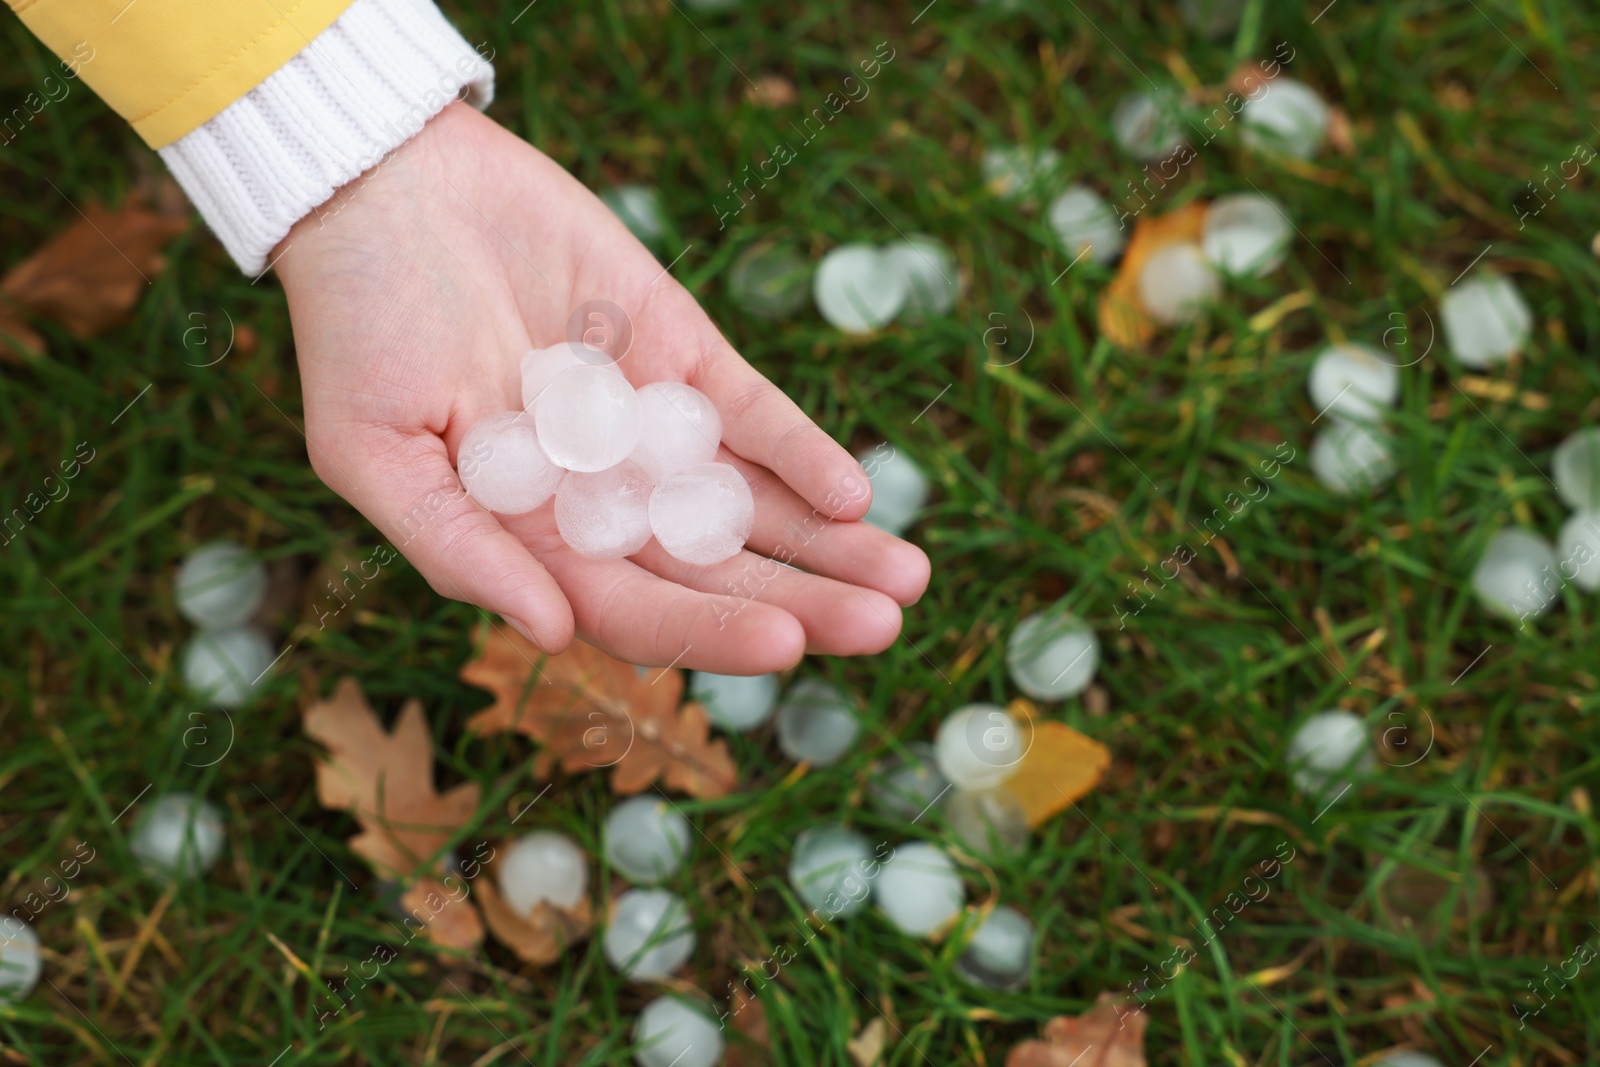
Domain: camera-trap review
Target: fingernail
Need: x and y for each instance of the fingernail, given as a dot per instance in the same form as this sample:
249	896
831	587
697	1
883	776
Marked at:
521	629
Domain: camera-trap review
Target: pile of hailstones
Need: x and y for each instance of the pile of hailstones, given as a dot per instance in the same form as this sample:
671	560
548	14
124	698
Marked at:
623	464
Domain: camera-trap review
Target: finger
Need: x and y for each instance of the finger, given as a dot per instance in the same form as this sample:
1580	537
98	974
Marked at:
839	619
636	616
792	531
764	426
405	484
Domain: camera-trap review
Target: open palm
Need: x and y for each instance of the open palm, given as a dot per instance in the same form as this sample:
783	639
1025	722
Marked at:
413	295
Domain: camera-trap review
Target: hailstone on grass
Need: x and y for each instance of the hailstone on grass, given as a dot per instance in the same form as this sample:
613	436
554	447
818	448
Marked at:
646	839
918	889
702	514
606	514
649	934
899	489
1406	1058
736	702
1020	173
224	666
1517	576
1081	218
1485	320
1147	126
1353	380
1246	235
831	870
1575	468
219	585
542	867
816	723
905	786
1350	457
1327	750
1052	655
502	465
680	428
588	418
178	836
21	962
1176	284
932	280
639	208
1001	950
1579	549
991	821
672	1033
858	288
1289	117
978	746
770	281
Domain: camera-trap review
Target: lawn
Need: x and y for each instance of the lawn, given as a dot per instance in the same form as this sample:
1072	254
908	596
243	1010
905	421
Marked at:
1447	904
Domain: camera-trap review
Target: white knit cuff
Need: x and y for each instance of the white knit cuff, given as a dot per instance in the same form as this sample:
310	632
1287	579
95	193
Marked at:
366	85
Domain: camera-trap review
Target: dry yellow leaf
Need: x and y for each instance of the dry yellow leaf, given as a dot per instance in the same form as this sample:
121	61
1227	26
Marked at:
1123	318
1060	766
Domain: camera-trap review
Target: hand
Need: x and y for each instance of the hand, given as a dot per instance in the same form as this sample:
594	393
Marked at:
414	294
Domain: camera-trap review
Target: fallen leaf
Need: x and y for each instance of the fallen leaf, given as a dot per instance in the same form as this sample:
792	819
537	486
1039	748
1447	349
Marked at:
866	1048
750	1022
89	275
593	712
1122	316
450	923
1060	766
771	91
1104	1036
1341	135
539	938
386	781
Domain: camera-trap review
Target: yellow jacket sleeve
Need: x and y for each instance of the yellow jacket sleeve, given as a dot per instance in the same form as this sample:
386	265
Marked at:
167	66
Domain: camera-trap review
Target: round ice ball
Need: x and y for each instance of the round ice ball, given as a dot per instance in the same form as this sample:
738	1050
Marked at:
224	666
816	723
1350	457
1353	380
1246	235
542	867
541	365
646	839
1052	655
219	585
1406	1058
681	428
736	702
649	935
905	786
1081	219
1326	750
932	280
1001	949
1176	284
858	288
1146	126
178	836
502	465
21	961
588	419
1575	468
1517	576
639	208
672	1033
1485	319
829	870
770	281
1579	549
899	489
702	514
1289	117
991	822
978	746
605	514
918	889
1019	173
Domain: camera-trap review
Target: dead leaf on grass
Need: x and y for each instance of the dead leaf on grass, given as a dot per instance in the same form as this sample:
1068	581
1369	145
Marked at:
1123	318
1110	1034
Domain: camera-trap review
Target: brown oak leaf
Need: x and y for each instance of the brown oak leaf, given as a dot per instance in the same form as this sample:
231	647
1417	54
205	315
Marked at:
593	712
449	921
539	938
1110	1034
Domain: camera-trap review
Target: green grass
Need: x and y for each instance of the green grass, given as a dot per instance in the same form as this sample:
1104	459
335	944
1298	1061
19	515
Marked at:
1064	474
